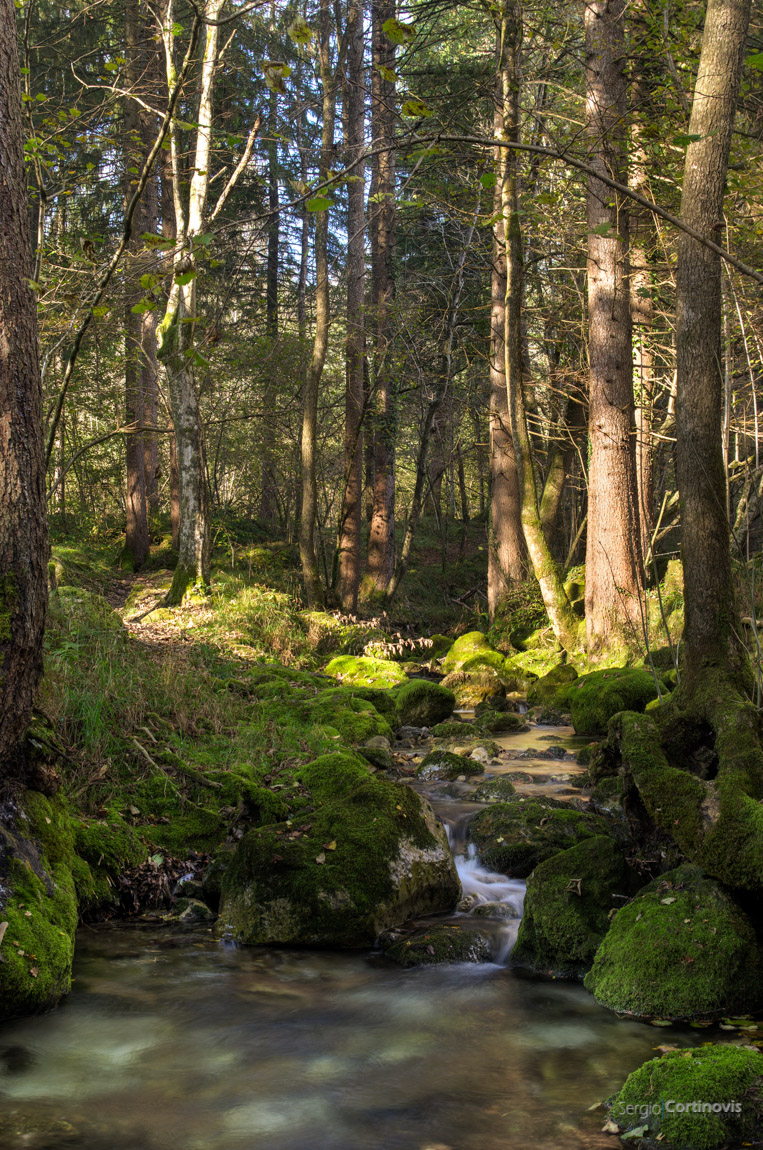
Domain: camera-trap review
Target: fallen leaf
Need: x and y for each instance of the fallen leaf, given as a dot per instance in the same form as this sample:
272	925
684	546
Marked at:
33	971
321	858
610	1127
28	913
667	901
330	846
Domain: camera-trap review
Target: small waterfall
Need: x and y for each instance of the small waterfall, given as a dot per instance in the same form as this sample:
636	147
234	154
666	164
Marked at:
493	899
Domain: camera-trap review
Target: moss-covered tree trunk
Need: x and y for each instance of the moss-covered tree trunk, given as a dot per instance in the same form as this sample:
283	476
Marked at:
23	527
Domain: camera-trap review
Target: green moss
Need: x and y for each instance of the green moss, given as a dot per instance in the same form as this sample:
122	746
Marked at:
552	689
423	704
473	687
474	648
593	699
514	837
368	856
681	949
361	671
40	907
497	790
446	765
109	843
355	719
705	1083
567	907
533	664
500	722
438	647
443	943
454	730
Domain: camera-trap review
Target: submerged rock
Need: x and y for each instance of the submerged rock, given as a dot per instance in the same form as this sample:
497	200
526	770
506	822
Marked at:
513	837
442	943
446	765
568	903
681	949
369	856
423	704
701	1099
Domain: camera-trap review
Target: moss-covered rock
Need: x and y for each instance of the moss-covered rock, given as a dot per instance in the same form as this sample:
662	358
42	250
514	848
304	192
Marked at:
377	752
514	837
500	722
446	765
356	720
681	949
454	730
497	790
105	848
593	699
532	665
701	1099
552	689
567	907
362	671
82	616
438	647
369	856
39	904
444	943
473	687
423	704
475	649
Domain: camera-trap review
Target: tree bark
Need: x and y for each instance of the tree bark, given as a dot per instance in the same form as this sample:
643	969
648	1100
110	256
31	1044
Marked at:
614	577
268	495
23	527
711	625
381	538
355	120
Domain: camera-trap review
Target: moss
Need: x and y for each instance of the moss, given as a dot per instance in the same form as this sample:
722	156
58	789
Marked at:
443	943
681	949
361	671
423	704
500	722
494	791
474	648
567	908
514	837
532	664
109	843
593	699
687	1098
454	730
446	765
552	689
40	907
79	616
438	647
473	687
382	699
368	856
355	719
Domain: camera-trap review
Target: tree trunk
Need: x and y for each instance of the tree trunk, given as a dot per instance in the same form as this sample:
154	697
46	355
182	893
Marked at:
711	625
355	121
614	579
561	462
268	494
310	573
381	538
507	554
23	527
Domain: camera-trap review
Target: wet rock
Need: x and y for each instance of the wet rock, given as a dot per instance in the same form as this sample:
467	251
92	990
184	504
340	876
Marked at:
191	911
189	886
502	910
548	717
412	734
496	704
593	699
446	765
454	730
423	704
501	722
513	837
496	790
444	943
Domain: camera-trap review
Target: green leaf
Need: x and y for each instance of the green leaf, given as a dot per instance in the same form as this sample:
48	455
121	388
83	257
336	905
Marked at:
684	139
398	33
157	860
544	198
275	72
387	74
205	240
754	61
319	204
177	29
603	230
102	310
415	108
487	179
111	66
185	277
143	306
196	358
300	31
637	1132
161	243
148	281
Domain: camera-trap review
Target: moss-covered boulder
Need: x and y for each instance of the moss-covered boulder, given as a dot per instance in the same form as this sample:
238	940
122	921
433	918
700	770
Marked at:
423	704
593	699
39	905
377	752
368	856
475	649
446	765
500	722
497	790
444	943
355	719
381	697
552	689
105	848
454	730
514	837
473	687
362	671
681	949
701	1099
437	647
567	907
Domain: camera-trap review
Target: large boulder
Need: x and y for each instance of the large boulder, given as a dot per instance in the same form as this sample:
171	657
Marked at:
496	790
423	704
362	671
500	722
472	652
567	907
354	718
368	855
552	689
700	1099
593	699
473	687
513	837
681	949
440	764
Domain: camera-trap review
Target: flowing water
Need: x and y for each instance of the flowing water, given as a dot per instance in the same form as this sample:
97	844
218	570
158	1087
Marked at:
176	1042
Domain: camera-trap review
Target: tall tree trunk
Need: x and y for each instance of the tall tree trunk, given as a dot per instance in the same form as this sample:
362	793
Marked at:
561	462
23	526
136	545
355	124
711	630
507	554
614	578
560	613
310	573
381	537
268	495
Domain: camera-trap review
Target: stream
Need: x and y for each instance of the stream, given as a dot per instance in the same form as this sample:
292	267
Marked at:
172	1041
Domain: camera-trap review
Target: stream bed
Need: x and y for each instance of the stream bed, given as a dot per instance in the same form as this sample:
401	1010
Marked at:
173	1041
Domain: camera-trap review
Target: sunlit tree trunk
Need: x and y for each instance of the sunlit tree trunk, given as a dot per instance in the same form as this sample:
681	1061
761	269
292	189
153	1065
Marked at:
268	495
381	538
23	526
614	579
